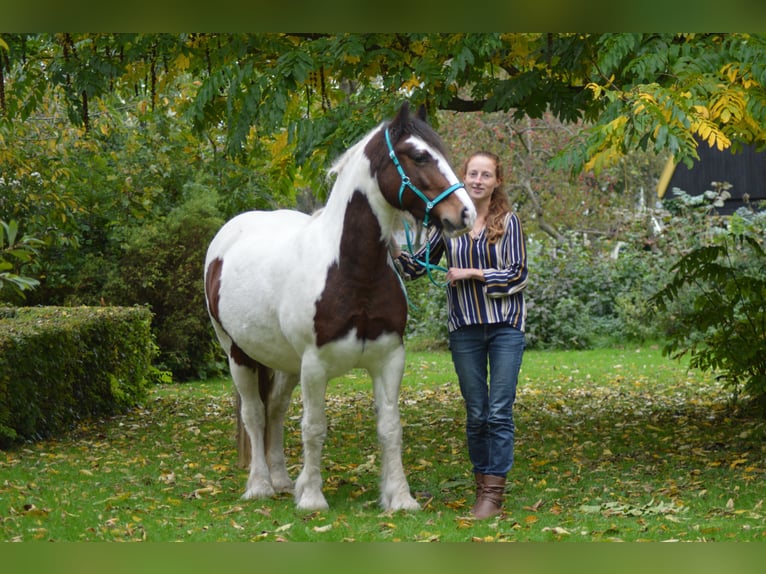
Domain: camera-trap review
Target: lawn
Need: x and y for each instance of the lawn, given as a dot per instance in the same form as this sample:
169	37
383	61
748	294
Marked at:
615	444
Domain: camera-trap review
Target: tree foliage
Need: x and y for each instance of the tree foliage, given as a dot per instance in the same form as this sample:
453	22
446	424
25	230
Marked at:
320	91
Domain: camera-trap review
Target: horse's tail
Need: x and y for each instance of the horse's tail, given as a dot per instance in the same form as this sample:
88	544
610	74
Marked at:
265	383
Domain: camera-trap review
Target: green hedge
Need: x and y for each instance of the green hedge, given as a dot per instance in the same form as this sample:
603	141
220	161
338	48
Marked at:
59	365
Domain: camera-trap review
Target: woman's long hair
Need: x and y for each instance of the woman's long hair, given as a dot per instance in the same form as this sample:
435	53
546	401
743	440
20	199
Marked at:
499	206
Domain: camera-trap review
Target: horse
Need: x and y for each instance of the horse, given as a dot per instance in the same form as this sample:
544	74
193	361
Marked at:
306	298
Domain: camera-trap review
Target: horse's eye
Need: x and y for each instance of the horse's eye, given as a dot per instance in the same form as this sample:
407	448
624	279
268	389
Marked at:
422	158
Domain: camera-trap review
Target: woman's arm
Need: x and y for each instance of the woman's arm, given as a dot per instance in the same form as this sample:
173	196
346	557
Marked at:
512	276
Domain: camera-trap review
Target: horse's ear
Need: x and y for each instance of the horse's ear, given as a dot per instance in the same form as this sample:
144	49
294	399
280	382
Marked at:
422	112
397	124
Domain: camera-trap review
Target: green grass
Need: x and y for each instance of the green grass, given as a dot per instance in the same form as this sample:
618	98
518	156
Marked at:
614	444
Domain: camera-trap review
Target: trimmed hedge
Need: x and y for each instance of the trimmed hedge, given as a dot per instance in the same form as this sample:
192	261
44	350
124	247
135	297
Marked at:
59	365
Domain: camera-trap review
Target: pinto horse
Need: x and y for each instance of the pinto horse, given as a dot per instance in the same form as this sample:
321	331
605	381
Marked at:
294	297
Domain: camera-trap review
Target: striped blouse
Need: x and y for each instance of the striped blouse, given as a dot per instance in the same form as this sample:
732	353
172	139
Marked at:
498	299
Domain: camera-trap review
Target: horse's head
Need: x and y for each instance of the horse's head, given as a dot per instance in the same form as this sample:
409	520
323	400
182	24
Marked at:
409	162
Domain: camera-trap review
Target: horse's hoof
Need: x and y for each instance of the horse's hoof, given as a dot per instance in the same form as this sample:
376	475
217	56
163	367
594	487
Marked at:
283	485
261	491
315	502
401	503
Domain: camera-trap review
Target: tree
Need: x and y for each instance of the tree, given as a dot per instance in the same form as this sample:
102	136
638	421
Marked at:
312	92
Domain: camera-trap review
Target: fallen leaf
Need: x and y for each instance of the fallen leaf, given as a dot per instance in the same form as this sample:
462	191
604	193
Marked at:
556	530
535	507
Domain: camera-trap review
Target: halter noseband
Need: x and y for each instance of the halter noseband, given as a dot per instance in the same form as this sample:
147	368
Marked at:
429	203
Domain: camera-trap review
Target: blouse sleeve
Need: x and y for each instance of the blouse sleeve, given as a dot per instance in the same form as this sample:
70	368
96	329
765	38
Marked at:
511	275
410	266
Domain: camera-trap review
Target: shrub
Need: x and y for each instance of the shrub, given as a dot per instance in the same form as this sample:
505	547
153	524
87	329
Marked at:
162	266
60	365
578	297
427	314
725	327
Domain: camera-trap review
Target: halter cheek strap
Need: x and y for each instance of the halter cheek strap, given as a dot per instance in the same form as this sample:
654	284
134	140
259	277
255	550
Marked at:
429	204
407	183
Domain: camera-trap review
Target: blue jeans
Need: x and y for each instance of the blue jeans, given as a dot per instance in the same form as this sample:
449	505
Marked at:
489	407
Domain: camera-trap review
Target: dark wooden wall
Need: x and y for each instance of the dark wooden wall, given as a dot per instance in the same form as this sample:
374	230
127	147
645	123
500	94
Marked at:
745	170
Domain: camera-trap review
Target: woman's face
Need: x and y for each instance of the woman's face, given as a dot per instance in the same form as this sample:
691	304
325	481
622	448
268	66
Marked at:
480	177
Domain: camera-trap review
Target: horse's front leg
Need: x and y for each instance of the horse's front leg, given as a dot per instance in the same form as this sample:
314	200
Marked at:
278	403
387	378
308	487
254	419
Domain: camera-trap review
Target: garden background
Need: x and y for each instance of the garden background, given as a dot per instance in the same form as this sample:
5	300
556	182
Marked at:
122	154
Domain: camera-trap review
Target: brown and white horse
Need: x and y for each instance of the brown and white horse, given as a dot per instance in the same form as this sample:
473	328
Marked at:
294	297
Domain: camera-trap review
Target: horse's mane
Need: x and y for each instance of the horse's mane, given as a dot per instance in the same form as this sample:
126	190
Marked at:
344	158
413	126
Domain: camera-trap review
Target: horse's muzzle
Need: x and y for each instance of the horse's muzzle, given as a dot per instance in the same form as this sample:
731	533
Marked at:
467	218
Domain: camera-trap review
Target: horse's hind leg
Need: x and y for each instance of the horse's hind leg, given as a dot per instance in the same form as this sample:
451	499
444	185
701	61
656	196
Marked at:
386	378
254	419
277	405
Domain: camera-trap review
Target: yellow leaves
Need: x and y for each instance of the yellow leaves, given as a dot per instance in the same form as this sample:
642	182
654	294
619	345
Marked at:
710	133
643	101
602	158
465	522
32	510
728	106
736	75
608	151
419	47
182	62
487	538
730	72
557	530
733	464
599	90
413	83
455	504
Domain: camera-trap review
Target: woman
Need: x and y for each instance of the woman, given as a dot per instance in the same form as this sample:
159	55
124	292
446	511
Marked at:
486	276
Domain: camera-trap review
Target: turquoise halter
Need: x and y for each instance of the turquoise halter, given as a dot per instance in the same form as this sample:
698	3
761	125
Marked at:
429	203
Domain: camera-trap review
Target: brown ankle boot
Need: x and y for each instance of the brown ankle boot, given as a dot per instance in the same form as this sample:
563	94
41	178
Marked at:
479	489
490	502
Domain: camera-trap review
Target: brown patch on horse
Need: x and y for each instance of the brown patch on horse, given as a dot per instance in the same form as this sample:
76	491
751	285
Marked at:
362	291
242	358
213	286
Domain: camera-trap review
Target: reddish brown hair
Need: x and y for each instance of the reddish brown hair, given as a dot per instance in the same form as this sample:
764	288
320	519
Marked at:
498	203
